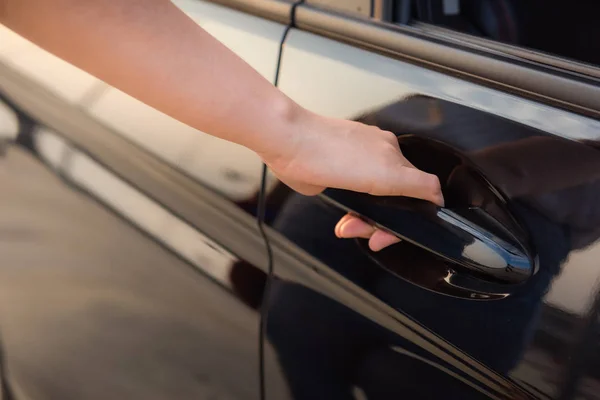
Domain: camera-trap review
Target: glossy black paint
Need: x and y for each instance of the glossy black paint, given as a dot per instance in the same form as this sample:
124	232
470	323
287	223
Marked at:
106	291
484	245
98	301
330	345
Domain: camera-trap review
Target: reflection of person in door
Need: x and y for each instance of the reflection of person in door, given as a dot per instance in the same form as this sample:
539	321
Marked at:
554	187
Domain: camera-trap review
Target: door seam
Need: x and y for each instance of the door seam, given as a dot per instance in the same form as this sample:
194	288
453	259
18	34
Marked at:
260	217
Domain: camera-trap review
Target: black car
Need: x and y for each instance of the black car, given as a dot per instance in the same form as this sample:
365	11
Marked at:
142	259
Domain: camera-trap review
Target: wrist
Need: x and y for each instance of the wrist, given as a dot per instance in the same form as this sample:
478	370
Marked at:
282	131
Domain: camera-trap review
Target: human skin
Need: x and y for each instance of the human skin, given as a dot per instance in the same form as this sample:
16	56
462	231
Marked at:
151	50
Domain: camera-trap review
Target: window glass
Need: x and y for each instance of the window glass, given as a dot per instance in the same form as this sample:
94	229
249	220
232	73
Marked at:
566	29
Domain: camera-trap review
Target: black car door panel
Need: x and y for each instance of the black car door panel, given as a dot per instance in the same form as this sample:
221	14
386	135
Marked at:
108	291
99	300
542	162
133	264
135	267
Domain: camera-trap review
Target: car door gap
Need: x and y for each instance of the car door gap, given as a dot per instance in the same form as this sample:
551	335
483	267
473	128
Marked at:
260	214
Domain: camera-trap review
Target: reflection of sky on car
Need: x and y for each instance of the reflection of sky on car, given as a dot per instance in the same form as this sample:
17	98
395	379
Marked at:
320	70
205	157
580	278
258	47
136	207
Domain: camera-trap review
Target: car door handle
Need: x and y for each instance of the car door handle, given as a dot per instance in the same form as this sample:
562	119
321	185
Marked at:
469	238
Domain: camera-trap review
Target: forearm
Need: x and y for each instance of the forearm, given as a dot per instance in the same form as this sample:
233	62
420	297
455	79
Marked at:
154	52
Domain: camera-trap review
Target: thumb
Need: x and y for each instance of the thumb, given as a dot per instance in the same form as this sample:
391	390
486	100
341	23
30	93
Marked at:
411	182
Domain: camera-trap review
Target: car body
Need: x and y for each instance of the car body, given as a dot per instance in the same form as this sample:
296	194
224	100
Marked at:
143	259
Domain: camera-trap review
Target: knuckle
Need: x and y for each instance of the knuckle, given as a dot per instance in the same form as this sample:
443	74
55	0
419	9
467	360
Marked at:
431	181
389	137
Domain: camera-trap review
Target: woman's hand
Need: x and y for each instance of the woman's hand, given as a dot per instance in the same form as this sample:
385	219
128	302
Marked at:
306	151
323	152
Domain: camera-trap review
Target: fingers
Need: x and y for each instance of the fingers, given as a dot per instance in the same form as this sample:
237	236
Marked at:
353	227
380	240
411	182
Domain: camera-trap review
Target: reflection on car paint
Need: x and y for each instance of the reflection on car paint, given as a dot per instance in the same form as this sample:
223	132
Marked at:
343	81
340	349
488	252
99	297
9	124
140	210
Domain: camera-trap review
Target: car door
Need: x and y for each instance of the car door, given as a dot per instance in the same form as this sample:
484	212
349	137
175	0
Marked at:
132	264
493	296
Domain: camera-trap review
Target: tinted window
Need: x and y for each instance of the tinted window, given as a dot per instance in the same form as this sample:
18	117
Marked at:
561	28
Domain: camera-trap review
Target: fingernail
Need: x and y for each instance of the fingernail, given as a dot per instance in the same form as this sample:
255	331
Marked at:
340	230
375	248
440	199
336	230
